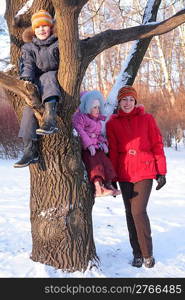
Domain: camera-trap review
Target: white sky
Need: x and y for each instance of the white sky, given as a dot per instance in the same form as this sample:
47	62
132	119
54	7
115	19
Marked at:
2	7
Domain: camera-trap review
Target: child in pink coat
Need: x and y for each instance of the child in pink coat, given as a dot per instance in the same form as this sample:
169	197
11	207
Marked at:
88	123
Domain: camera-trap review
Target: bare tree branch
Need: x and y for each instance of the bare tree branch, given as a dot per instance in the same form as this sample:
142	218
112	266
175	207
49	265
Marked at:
93	46
94	14
24	89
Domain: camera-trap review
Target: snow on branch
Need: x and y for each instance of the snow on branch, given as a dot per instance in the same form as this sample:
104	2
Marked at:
123	76
25	8
148	11
121	80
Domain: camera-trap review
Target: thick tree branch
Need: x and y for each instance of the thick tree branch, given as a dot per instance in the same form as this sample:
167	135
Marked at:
93	46
24	89
78	4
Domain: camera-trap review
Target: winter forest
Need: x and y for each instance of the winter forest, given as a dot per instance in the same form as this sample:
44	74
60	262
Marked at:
141	43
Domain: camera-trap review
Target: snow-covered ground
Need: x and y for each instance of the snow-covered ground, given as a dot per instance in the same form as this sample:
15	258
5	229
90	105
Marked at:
166	210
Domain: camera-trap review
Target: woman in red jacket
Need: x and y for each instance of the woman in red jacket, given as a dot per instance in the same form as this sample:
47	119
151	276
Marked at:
137	153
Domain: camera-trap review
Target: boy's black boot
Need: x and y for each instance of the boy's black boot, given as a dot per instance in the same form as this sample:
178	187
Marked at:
49	124
30	155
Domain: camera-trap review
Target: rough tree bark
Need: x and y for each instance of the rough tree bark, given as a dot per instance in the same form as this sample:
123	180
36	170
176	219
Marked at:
61	197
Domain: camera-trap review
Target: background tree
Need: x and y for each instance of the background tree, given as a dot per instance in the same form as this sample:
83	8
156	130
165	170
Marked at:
61	198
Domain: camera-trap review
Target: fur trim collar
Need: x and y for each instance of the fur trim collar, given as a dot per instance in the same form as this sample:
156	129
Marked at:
87	101
28	34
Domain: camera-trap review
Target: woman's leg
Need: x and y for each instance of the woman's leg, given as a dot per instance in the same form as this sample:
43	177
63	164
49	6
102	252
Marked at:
139	201
127	194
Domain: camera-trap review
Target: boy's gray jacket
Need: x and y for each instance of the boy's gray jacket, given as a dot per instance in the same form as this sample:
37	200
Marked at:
39	57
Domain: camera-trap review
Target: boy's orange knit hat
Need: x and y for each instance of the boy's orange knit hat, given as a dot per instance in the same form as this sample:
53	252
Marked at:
125	91
42	17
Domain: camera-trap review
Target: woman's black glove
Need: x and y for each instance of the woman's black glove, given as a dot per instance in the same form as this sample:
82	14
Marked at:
161	180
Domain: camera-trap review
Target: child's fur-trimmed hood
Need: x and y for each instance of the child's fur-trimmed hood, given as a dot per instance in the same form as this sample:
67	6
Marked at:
87	101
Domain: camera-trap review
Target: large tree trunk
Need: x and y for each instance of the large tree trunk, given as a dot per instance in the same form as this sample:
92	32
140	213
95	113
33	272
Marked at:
61	210
61	197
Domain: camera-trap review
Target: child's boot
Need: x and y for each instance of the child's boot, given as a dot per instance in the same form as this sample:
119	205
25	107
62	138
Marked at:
116	192
30	155
49	116
101	190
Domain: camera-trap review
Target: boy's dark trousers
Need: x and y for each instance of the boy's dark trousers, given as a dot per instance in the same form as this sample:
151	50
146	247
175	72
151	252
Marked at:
135	197
28	125
48	87
27	132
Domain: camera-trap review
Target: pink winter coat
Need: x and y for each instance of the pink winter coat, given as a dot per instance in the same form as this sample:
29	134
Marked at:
89	129
135	146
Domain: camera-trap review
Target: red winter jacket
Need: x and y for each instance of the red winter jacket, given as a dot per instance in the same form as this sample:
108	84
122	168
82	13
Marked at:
135	146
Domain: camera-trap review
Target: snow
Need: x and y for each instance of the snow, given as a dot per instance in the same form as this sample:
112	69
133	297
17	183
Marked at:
5	44
121	80
148	10
166	212
2	7
25	8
